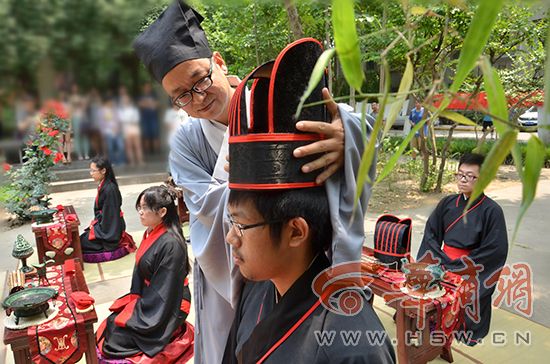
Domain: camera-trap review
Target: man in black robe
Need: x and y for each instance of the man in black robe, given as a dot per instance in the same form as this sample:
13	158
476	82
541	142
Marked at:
473	244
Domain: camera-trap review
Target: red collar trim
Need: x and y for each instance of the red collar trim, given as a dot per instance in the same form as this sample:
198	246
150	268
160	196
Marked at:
98	189
148	240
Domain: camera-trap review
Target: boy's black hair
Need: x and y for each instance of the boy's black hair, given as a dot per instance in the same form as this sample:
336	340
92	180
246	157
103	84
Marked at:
283	205
472	159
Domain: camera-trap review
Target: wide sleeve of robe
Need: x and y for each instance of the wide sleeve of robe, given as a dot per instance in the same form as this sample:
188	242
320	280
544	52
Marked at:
109	224
146	319
434	231
348	227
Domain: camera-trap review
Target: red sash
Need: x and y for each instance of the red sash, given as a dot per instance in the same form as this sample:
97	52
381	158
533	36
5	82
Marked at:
455	253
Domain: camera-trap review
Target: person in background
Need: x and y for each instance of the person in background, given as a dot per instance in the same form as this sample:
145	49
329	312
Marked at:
128	115
93	129
149	325
148	110
77	105
67	142
27	118
480	235
111	130
488	125
107	229
416	115
174	118
375	109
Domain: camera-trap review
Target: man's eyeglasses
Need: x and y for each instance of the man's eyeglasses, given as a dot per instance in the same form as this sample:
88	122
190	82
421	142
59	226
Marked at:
466	177
242	227
199	87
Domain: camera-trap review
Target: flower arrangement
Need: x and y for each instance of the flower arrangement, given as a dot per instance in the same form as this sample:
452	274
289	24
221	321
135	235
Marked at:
27	188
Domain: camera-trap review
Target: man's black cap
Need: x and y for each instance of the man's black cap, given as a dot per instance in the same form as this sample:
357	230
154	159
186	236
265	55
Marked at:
176	36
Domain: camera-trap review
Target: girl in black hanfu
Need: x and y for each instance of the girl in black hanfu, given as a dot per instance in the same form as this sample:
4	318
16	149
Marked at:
148	324
106	233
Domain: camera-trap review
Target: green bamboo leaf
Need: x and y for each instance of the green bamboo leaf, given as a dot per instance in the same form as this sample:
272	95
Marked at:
316	75
418	10
367	158
404	87
347	42
388	167
457	118
534	161
494	159
476	39
516	154
495	96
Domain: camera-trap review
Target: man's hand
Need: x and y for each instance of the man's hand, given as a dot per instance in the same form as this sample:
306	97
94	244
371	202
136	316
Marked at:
332	146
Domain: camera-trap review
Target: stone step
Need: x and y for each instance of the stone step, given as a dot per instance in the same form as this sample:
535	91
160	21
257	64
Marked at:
76	176
124	180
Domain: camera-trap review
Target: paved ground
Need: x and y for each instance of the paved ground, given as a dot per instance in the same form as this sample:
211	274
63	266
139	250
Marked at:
110	280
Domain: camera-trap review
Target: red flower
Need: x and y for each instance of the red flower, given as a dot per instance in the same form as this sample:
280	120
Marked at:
58	157
7	167
53	133
54	107
46	150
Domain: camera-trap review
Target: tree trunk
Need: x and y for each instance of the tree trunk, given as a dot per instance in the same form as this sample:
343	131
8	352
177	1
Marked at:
425	162
544	124
45	77
294	19
444	159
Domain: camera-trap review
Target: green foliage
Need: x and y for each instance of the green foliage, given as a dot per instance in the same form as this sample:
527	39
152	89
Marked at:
458	147
249	33
88	40
28	184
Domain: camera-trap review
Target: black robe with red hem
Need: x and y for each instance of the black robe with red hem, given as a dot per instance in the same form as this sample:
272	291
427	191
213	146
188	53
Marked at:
260	322
482	235
108	225
146	319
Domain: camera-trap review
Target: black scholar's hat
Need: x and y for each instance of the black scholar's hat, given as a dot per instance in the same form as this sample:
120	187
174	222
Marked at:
262	140
176	36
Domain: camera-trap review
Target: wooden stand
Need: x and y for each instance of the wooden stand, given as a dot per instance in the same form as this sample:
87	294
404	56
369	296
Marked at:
417	350
19	341
41	237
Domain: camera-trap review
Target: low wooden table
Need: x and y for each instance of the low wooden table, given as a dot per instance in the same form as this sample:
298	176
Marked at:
41	237
19	340
419	350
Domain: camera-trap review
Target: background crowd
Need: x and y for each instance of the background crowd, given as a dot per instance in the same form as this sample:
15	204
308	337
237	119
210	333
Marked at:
123	126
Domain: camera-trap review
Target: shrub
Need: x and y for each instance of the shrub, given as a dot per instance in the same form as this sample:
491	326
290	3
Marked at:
28	184
459	147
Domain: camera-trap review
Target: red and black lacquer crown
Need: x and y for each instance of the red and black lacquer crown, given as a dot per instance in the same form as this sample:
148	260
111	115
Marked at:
262	139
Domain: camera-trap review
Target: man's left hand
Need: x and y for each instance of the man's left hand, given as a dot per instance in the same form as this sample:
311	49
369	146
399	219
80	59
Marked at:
332	146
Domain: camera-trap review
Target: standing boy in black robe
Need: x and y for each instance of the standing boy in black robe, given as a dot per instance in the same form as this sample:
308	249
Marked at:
473	244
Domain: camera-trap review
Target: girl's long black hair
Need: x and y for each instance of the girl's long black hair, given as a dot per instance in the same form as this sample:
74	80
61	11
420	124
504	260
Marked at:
156	198
104	163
